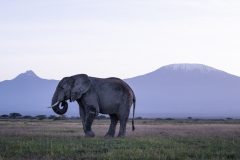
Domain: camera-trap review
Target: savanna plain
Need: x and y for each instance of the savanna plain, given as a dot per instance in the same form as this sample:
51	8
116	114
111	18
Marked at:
153	139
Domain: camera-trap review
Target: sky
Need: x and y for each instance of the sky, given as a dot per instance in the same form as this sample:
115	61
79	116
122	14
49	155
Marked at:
105	38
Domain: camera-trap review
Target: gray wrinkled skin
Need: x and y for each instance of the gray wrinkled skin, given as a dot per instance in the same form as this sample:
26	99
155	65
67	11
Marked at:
96	95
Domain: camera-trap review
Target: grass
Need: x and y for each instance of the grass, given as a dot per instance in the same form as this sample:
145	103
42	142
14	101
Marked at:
22	139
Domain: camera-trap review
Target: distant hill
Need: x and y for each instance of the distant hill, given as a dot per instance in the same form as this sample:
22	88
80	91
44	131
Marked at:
26	94
182	90
178	90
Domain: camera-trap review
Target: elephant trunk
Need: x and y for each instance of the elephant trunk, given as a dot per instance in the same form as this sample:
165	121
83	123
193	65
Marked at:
56	105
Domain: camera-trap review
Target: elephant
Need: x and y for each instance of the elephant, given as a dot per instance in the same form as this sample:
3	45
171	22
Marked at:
95	95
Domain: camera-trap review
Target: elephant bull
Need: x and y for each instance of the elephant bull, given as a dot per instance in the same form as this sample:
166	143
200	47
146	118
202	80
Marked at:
96	95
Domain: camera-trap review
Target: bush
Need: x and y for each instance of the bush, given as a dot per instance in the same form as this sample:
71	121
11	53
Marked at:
52	117
41	117
74	118
28	117
60	118
4	116
169	119
15	115
101	117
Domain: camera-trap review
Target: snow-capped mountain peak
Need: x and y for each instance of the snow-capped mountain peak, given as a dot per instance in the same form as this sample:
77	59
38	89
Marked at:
189	67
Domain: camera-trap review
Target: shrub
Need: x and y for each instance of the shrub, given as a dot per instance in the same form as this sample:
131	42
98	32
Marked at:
52	117
169	119
15	115
41	117
74	118
4	116
28	117
101	117
60	118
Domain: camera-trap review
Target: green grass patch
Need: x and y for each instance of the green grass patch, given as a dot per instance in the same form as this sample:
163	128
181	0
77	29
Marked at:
179	148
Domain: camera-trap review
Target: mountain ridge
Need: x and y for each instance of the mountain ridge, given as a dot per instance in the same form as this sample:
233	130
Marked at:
175	90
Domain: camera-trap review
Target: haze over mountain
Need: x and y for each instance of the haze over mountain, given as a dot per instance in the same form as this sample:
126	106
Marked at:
178	90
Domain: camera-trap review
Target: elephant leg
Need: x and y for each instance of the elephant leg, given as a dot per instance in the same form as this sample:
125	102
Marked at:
82	116
123	122
112	127
90	115
82	113
122	129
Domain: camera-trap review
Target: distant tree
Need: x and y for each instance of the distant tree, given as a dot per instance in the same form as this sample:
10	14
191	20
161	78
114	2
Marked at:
101	117
41	117
189	118
62	117
28	117
169	119
52	117
15	115
4	116
138	118
74	118
229	118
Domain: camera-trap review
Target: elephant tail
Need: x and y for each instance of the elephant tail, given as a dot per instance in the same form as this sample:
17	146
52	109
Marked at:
134	104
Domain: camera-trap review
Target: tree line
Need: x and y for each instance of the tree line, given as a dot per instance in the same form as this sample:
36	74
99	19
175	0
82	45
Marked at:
16	115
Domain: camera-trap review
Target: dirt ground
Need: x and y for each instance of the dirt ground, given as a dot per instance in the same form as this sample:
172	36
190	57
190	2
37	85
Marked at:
143	128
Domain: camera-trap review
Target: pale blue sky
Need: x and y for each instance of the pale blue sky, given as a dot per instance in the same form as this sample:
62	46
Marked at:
56	38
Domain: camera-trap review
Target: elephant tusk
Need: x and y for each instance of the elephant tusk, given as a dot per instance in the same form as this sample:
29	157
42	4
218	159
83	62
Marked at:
54	104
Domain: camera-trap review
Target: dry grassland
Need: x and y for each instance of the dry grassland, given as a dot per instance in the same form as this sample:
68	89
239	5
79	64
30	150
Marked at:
146	128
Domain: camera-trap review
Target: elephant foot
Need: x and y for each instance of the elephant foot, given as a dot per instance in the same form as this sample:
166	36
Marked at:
109	135
121	135
89	134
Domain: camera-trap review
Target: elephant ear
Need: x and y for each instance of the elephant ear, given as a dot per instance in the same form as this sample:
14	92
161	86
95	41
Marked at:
81	85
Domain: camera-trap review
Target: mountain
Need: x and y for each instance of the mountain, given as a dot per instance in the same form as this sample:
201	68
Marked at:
178	90
26	94
182	90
